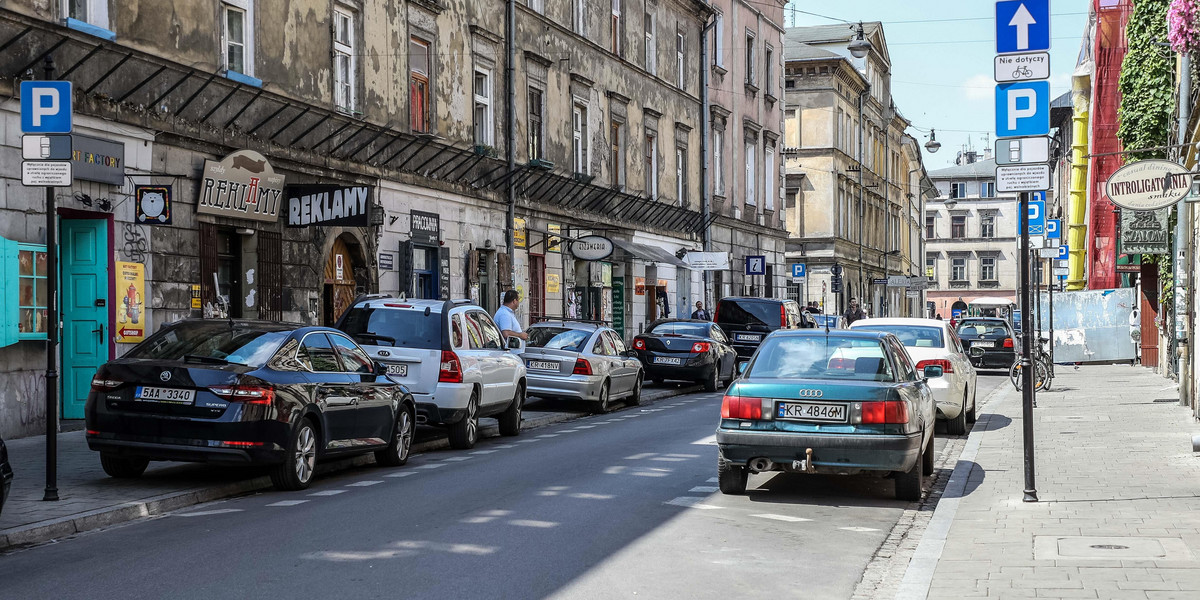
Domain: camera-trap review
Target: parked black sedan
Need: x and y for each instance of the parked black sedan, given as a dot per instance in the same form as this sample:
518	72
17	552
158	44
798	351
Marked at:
6	475
989	342
687	349
246	392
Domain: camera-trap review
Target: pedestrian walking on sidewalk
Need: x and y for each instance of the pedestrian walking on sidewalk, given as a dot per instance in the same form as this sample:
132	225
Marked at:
506	316
854	313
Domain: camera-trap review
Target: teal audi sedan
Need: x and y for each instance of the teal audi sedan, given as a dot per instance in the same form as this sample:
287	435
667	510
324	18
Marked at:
833	402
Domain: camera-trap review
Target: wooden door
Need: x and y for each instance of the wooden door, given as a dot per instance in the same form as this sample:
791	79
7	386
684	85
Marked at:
339	282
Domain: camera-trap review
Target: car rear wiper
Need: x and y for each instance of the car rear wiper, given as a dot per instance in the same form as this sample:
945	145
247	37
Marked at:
212	360
376	337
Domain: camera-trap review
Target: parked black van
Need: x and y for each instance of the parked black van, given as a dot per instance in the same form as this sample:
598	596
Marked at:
746	321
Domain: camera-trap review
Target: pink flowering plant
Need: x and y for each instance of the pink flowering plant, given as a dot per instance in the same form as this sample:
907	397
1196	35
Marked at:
1183	22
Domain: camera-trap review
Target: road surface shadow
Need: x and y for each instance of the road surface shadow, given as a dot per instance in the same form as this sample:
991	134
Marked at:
824	490
975	476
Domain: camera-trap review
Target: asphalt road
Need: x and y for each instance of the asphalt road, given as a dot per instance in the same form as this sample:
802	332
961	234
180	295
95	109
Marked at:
618	505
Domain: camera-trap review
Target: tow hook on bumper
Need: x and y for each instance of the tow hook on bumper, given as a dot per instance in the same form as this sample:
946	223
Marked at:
806	465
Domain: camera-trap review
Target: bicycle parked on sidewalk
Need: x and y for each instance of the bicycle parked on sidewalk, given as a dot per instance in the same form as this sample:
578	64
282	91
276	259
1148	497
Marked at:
1043	374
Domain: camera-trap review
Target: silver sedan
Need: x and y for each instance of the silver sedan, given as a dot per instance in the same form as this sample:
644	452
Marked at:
582	361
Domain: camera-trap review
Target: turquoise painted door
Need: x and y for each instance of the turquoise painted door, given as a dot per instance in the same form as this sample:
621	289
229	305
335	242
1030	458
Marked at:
85	334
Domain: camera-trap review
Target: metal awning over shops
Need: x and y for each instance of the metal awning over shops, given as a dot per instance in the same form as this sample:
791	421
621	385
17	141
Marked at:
122	83
650	253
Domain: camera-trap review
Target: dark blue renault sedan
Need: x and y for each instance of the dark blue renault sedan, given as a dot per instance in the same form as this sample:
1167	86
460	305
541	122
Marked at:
837	402
246	392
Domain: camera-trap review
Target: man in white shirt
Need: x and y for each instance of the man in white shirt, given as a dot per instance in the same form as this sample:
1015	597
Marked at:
506	316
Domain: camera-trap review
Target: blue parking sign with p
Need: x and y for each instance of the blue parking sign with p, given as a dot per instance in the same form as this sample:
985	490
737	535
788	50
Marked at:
798	270
1036	220
1053	231
1023	109
1064	252
46	106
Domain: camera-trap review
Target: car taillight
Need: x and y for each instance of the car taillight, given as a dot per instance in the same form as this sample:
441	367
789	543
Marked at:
246	394
450	370
945	364
100	384
887	412
639	344
782	316
1008	342
242	444
741	407
701	347
582	367
841	363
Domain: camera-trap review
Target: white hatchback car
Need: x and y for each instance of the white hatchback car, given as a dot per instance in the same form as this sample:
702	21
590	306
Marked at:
450	354
932	342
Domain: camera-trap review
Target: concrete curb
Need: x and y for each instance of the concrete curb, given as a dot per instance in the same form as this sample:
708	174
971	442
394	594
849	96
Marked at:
918	577
54	529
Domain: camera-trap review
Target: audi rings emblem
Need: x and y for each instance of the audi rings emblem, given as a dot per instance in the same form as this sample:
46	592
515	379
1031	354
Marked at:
811	393
165	376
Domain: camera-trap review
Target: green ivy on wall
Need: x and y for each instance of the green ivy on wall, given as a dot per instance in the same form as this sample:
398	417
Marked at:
1147	82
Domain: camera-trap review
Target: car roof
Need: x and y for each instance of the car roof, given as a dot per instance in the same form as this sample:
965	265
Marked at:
850	333
569	324
899	321
413	303
661	321
751	299
243	323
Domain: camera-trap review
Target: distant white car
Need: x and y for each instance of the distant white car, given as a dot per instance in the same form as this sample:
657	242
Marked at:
451	355
932	342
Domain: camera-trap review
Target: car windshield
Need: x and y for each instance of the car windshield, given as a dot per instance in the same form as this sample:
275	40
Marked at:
733	312
558	338
913	336
406	328
822	357
213	342
680	328
976	328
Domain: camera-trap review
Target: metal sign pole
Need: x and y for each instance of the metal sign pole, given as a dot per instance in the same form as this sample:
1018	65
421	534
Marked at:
1050	321
1027	376
51	492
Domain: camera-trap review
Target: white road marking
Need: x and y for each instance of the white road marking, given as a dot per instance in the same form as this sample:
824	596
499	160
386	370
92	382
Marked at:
484	451
548	435
668	459
456	458
641	456
583	496
569	431
431	466
857	529
711	480
478	520
685	455
532	523
205	513
288	503
691	502
708	441
504	446
497	513
787	518
584	426
527	441
401	474
328	493
704	489
366	483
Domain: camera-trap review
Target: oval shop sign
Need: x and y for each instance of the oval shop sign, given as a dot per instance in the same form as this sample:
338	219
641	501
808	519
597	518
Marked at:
1149	185
592	247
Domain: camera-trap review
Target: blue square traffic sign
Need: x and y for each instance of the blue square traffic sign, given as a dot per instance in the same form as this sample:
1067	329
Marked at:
756	265
1023	109
1037	217
1053	229
1064	252
1022	26
799	270
46	106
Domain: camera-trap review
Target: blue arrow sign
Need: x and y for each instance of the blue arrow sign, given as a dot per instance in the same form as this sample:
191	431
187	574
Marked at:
1053	229
1023	109
799	270
1022	26
1064	252
46	106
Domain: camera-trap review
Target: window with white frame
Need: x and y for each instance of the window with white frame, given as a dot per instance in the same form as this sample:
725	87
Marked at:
958	189
987	225
536	102
651	164
931	268
485	124
237	35
615	23
92	12
987	268
770	178
751	200
680	61
580	16
718	162
579	138
538	6
768	69
651	47
681	182
750	59
616	132
987	189
958	269
719	41
344	53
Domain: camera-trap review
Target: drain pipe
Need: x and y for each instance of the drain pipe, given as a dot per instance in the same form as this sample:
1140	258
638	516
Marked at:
1181	231
510	100
705	200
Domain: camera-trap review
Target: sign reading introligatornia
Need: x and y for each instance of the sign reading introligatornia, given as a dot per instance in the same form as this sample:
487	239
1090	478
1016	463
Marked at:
1149	185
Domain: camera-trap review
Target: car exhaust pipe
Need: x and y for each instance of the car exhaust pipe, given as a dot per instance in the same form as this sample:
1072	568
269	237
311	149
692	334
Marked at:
760	464
422	419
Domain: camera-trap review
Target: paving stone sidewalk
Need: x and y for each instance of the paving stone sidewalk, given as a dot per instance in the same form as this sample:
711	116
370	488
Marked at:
89	499
1119	491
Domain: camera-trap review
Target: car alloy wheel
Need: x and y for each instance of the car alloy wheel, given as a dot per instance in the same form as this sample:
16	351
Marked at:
397	452
713	383
635	399
465	433
510	419
602	401
305	456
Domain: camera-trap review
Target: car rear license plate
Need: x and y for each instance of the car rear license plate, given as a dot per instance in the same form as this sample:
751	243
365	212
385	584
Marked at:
667	360
747	337
542	365
398	370
985	344
811	411
169	395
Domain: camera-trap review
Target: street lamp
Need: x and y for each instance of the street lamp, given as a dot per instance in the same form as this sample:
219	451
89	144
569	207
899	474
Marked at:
859	47
933	145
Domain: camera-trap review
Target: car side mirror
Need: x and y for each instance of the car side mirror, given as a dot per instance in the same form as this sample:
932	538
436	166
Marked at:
630	354
380	368
933	371
516	343
741	367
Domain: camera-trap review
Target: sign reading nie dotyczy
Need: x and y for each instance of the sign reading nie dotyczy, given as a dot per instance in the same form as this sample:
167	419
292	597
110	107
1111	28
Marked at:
241	185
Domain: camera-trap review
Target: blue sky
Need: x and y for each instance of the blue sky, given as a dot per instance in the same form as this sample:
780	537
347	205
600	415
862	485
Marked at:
942	51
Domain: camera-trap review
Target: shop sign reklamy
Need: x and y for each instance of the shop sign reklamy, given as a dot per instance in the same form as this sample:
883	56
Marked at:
325	204
592	247
1149	185
1145	232
242	185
